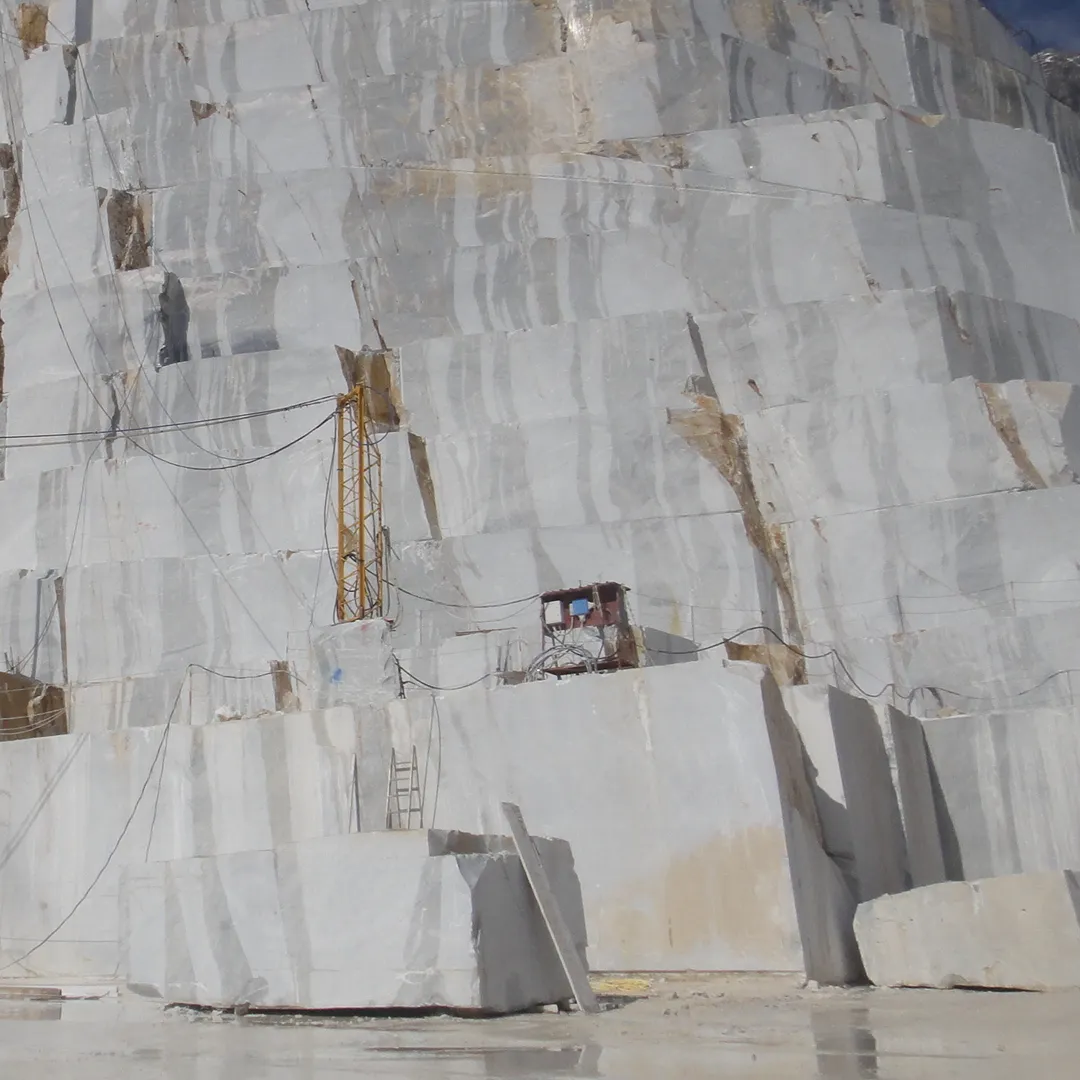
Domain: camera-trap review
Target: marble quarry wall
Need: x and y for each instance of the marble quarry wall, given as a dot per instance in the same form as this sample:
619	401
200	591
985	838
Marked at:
682	791
154	794
765	309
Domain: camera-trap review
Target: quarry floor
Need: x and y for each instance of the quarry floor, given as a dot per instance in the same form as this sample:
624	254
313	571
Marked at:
686	1028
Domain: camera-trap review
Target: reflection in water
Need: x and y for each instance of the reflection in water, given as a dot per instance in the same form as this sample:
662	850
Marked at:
508	1063
30	1008
845	1044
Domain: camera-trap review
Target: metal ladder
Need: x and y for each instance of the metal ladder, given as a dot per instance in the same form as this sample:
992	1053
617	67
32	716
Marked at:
404	799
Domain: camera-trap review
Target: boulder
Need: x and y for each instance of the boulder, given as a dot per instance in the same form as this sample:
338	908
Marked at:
418	919
1020	932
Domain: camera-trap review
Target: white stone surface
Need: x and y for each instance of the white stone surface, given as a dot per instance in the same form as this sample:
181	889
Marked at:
665	869
853	788
1020	932
352	663
368	921
843	233
456	218
682	791
1005	800
970	561
913	781
913	445
227	787
1012	662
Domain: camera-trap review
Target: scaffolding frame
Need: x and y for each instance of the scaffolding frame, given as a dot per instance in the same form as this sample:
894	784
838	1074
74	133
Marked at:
361	550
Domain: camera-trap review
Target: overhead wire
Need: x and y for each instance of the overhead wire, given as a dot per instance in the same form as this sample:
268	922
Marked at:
488	620
164	751
829	654
438	767
672	652
116	846
763	628
455	604
65	438
246	461
997	699
176	499
427	763
141	370
5	92
53	782
16	835
406	674
160	259
239	463
230	463
231	675
326	540
42	722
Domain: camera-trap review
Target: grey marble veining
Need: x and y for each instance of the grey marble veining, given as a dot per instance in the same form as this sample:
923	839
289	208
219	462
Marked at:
365	921
765	309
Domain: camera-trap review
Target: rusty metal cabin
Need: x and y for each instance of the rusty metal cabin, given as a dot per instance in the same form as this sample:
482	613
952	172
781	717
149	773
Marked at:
30	709
587	629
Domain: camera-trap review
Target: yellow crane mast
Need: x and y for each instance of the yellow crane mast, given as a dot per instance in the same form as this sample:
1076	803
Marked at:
361	570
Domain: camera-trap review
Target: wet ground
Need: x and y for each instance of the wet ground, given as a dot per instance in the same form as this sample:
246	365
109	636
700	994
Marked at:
685	1029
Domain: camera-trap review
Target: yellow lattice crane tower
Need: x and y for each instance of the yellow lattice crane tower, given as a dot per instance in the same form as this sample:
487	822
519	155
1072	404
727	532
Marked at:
361	555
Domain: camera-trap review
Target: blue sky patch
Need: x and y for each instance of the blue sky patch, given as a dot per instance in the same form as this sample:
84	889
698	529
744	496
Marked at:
1052	23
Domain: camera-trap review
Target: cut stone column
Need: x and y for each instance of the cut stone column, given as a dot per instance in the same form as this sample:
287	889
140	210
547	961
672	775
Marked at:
915	788
853	788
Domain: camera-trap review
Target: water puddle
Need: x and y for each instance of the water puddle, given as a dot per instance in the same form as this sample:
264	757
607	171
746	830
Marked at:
506	1063
845	1045
30	1003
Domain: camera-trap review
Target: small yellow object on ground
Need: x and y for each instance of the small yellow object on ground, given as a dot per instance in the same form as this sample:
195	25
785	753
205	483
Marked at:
615	986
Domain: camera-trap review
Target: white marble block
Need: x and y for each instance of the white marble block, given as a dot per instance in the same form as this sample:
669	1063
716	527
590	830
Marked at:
382	920
1020	932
